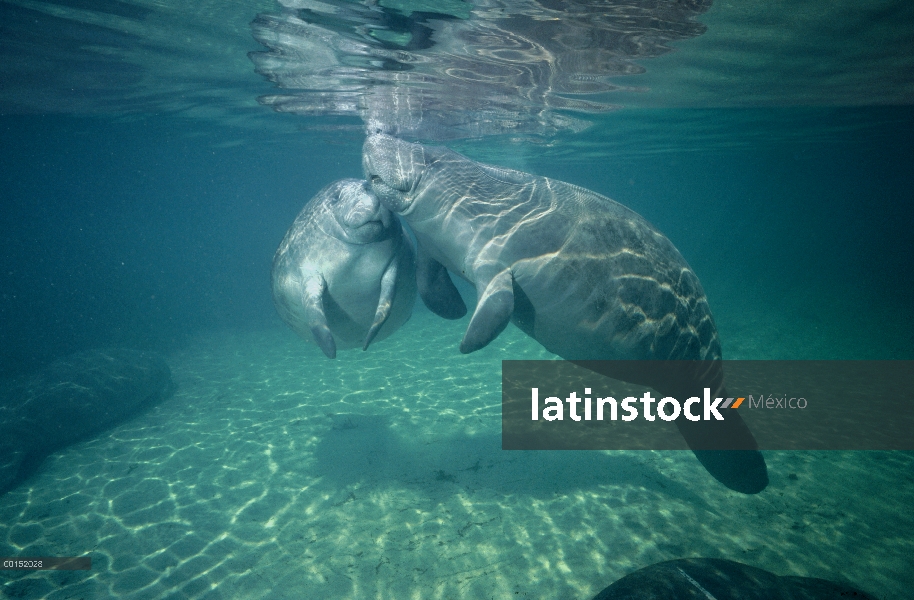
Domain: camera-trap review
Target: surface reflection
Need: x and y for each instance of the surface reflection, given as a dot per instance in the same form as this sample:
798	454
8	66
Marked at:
520	67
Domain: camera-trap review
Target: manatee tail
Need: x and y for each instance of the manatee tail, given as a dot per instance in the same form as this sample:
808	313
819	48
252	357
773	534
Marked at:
728	451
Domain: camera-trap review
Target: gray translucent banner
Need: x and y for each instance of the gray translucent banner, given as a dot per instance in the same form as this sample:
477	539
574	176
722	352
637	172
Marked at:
787	405
45	563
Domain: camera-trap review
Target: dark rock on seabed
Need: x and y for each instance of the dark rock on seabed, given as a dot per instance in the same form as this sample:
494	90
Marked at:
720	579
72	399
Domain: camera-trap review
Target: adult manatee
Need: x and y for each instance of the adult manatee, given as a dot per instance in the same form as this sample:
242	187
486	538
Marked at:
344	274
586	277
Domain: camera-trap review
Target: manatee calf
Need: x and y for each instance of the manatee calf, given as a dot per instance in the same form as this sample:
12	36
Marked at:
344	274
72	399
586	277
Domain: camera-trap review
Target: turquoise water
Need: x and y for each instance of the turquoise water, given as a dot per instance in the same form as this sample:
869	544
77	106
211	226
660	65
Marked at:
276	473
144	210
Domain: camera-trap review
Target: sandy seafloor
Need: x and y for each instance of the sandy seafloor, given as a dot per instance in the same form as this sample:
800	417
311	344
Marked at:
276	473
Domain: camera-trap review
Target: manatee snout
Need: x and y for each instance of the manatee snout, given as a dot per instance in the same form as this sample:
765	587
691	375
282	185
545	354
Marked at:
392	167
359	207
362	217
379	154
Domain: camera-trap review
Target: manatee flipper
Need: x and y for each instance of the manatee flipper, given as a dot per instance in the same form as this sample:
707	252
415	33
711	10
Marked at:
436	288
493	311
385	302
313	302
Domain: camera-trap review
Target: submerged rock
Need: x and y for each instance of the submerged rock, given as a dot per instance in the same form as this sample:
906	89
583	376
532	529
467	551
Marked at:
720	579
72	399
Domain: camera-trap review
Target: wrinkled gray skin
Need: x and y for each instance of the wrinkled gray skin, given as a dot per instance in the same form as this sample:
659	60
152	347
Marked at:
583	275
344	275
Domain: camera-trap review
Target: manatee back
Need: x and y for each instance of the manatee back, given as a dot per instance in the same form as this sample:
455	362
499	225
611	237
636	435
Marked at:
593	279
640	279
581	253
